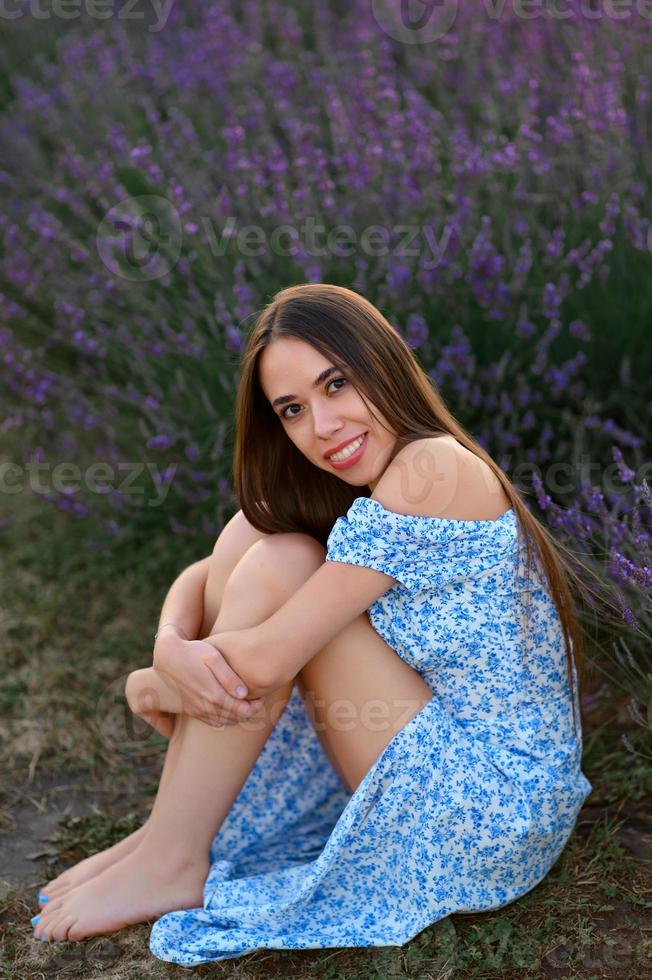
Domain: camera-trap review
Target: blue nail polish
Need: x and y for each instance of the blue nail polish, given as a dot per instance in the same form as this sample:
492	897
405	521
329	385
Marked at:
42	897
35	919
43	939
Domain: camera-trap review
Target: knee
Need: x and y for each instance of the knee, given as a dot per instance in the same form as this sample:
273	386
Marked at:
288	559
291	549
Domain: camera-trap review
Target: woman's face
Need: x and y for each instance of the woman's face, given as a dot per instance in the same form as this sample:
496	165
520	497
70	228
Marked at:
319	420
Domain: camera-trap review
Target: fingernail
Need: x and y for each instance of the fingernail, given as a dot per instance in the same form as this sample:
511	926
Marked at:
43	939
42	897
35	919
241	690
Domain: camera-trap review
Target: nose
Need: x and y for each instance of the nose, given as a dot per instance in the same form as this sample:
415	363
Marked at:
327	424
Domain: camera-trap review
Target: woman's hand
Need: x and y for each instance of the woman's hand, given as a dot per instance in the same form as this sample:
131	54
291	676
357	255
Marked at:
204	692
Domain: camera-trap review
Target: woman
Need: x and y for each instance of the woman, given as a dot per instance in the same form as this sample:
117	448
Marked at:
427	760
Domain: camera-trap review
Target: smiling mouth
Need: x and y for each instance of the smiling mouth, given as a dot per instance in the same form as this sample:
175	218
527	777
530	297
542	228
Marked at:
350	449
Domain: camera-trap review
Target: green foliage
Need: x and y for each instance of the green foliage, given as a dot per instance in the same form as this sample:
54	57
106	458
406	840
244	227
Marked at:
79	837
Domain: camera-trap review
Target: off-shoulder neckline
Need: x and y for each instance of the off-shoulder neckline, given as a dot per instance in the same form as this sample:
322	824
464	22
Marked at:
509	513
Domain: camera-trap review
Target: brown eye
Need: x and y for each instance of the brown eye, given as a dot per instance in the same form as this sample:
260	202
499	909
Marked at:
294	405
283	411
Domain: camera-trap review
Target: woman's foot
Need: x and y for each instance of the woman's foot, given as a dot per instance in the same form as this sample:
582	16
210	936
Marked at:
91	866
143	885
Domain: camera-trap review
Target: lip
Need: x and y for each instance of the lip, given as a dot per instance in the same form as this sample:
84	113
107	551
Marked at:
351	460
342	445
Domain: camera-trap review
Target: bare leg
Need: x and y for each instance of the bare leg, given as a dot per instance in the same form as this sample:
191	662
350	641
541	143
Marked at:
168	868
233	543
381	693
96	863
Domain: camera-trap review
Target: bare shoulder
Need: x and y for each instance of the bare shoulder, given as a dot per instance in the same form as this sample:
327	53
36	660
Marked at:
438	477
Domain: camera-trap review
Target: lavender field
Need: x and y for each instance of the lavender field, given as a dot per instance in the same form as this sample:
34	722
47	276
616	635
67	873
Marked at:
483	178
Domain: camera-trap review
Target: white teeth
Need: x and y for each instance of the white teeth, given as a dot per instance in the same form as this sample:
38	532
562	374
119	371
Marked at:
350	449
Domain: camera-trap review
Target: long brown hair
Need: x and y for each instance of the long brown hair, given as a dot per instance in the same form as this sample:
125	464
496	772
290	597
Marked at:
279	490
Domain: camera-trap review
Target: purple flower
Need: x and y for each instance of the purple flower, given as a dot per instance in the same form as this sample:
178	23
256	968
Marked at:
159	442
626	474
417	330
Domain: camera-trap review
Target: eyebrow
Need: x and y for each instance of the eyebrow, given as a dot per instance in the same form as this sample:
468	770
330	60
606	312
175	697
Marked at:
316	383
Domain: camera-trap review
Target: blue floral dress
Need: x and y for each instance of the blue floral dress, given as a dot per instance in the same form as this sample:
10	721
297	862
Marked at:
468	806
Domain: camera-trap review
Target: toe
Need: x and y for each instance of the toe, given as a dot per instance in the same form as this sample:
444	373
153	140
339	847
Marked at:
53	896
53	883
46	913
61	927
75	931
54	888
49	930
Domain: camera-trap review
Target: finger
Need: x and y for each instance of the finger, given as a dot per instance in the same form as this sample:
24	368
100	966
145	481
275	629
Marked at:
221	701
206	712
225	675
209	719
250	708
235	718
242	712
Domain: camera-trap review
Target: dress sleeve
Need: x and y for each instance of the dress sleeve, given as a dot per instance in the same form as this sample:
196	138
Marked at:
369	537
419	552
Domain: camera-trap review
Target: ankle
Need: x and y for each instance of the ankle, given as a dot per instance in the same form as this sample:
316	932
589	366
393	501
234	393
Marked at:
173	859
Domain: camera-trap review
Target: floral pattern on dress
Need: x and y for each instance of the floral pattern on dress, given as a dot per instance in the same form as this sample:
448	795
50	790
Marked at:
469	805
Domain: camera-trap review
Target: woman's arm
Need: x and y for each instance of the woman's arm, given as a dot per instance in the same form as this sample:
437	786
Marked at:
271	654
209	693
184	603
